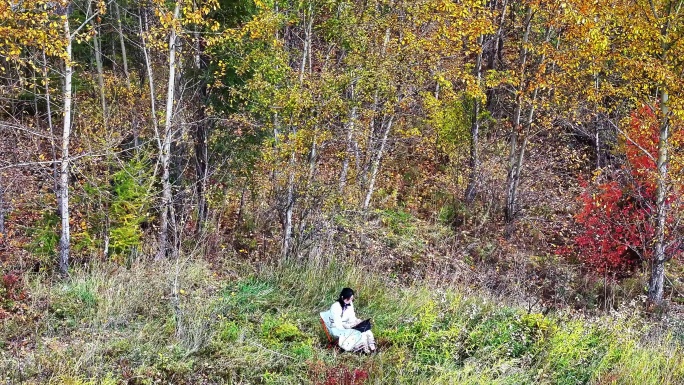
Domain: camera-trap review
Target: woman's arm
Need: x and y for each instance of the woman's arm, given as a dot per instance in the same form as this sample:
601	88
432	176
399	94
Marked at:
336	315
349	319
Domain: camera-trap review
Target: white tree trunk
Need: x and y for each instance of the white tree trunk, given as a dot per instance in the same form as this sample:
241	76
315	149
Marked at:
165	149
497	39
97	47
369	156
124	58
287	220
519	136
350	138
64	240
377	162
150	80
656	282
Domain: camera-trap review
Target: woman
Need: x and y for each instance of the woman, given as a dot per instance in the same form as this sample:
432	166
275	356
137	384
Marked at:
343	319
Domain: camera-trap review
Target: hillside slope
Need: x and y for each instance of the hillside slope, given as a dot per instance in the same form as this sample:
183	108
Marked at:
187	323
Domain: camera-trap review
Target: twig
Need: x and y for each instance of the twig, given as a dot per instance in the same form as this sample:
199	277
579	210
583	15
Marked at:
648	154
272	351
673	287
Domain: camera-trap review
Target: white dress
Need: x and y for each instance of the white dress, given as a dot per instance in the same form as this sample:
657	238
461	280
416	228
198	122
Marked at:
341	323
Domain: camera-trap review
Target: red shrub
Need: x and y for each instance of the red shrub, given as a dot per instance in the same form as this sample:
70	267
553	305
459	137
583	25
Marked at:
618	209
11	292
615	228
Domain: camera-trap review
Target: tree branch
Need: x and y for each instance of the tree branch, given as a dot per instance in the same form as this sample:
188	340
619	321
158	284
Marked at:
648	154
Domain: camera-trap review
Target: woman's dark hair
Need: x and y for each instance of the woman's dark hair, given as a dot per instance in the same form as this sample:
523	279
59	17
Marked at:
346	293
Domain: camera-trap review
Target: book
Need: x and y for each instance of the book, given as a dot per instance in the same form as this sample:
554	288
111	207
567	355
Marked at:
363	325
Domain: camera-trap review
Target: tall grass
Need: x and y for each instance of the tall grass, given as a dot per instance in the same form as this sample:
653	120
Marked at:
180	322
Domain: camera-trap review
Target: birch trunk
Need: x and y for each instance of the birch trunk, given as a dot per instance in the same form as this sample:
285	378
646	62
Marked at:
368	156
513	171
597	147
497	38
350	138
165	150
495	53
150	81
122	43
377	162
289	204
202	170
656	282
153	110
516	158
518	137
97	47
64	240
124	62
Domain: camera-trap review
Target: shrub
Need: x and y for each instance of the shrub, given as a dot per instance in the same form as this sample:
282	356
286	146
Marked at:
44	238
303	350
11	291
398	222
279	329
617	217
128	209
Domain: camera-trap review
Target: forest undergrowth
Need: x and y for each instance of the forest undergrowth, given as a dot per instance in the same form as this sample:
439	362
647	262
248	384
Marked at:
192	322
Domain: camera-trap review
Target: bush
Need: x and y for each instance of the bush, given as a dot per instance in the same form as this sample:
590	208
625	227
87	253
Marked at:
128	209
279	329
44	238
453	214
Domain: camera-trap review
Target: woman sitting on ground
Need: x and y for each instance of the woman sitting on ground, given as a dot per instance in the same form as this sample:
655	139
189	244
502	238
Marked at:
342	322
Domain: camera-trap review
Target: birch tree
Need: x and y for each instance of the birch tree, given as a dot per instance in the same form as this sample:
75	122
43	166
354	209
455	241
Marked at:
65	235
167	136
531	78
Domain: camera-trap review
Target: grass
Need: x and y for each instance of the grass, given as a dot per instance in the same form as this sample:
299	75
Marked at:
108	325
